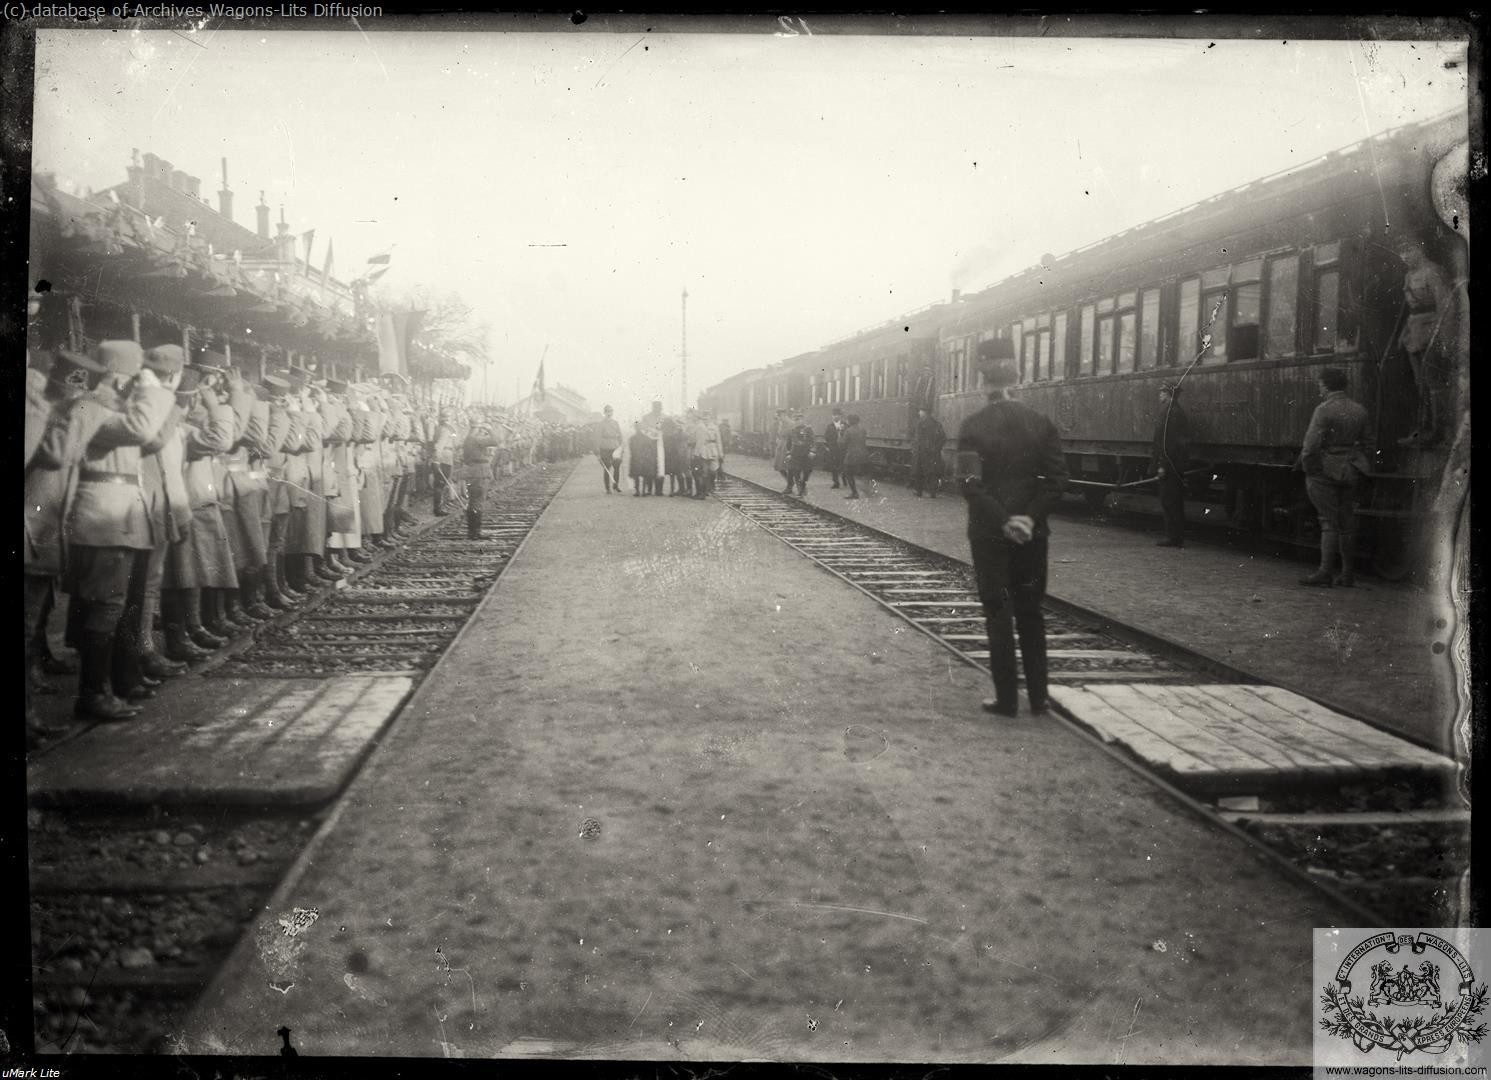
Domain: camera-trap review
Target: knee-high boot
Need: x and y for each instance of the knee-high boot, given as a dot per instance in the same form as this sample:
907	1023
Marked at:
286	583
152	662
251	587
1330	546
268	579
192	605
179	643
96	701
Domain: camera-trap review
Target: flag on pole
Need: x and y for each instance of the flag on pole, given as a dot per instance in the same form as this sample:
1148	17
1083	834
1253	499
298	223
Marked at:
377	267
396	330
308	238
326	268
538	382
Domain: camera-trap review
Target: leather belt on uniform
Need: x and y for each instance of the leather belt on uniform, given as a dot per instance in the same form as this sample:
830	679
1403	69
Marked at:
91	476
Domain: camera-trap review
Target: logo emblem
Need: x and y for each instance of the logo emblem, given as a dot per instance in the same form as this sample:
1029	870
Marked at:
1403	1008
77	378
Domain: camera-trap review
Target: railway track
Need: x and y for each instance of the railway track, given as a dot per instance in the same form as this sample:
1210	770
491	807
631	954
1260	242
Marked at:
134	908
1392	848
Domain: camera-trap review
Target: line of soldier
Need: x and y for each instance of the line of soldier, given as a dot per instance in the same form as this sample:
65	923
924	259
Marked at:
153	486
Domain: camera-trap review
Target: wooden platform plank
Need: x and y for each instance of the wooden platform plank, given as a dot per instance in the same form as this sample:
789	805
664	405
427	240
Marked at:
1295	748
1112	725
1162	720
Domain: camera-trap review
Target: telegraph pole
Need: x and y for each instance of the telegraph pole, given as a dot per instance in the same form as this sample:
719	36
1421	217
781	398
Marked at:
683	364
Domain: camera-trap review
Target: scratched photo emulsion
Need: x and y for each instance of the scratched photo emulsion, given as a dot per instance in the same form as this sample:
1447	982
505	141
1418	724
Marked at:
1037	633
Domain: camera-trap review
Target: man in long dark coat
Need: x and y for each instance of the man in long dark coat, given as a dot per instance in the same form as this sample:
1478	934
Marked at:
926	454
1010	467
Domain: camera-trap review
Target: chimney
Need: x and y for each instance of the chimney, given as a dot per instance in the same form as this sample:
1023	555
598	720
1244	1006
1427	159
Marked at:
225	197
263	211
178	180
284	242
956	293
152	166
135	169
193	187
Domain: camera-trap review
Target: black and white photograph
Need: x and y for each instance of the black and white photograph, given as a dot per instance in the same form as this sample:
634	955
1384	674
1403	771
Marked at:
792	539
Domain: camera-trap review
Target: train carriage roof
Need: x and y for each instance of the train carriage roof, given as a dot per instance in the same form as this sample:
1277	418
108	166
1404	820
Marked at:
1367	165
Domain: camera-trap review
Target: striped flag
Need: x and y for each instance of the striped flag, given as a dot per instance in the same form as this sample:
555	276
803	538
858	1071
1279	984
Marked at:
377	267
308	238
538	382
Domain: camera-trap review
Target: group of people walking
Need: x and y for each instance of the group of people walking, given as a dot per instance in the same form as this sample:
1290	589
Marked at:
687	452
845	454
162	488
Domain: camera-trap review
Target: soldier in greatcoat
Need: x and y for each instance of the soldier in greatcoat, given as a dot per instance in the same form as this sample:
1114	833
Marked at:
138	666
107	524
368	420
285	468
341	479
49	464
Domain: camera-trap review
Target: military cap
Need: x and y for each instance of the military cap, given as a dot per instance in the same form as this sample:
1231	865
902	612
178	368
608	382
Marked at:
186	389
336	386
120	357
75	370
276	385
298	376
165	360
210	361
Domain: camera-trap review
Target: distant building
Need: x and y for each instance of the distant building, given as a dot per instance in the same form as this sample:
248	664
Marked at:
559	405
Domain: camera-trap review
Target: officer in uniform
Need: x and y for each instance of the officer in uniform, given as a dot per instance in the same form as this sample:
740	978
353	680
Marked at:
1011	467
926	454
475	471
211	428
108	527
607	442
1335	465
442	458
800	440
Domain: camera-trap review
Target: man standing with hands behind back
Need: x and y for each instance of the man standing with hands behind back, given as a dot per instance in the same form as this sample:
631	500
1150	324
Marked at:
1010	466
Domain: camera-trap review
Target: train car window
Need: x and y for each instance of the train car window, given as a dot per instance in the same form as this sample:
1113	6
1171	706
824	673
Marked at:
1058	348
1043	320
1043	356
1247	303
1327	299
1017	340
1105	304
1327	253
1030	370
1216	279
1214	326
1125	300
1283	302
1149	329
1126	341
1084	358
1190	320
1252	270
1105	345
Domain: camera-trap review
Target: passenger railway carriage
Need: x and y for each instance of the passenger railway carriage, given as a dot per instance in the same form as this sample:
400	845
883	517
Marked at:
1243	298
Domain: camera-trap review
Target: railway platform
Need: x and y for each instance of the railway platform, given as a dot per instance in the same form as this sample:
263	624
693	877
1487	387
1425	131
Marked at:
1379	651
674	793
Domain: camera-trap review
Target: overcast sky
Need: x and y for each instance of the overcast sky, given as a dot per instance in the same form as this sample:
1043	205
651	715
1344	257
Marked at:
570	185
